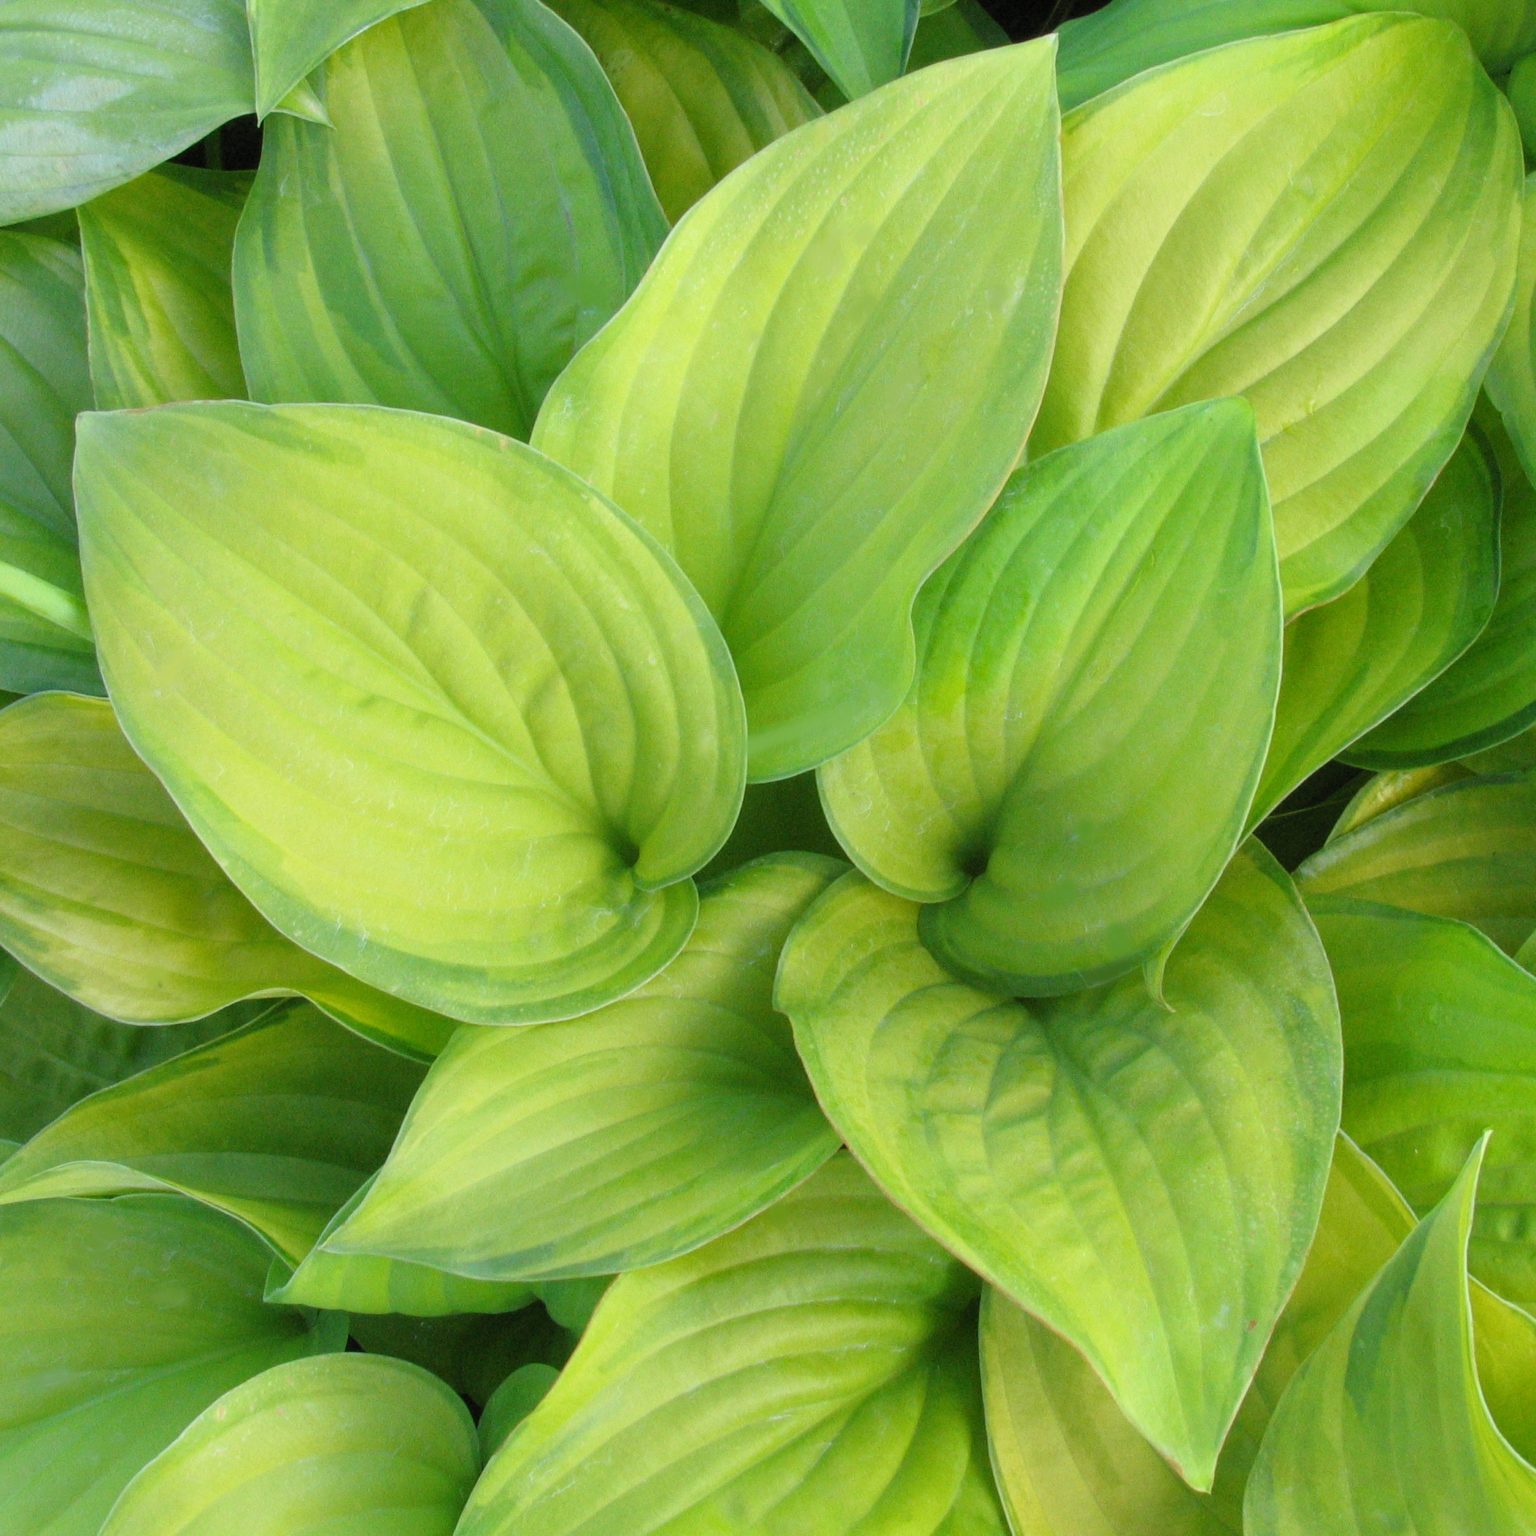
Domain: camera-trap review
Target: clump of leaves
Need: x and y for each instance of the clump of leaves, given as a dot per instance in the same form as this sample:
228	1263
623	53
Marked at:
774	769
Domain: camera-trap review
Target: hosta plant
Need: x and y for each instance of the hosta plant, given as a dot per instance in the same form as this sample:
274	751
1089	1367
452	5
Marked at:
767	769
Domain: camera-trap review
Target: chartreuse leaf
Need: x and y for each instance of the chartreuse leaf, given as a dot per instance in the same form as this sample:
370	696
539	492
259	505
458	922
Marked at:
1384	1427
157	287
276	1124
622	1138
1383	792
1466	850
1439	1045
53	1051
289	38
338	1445
95	92
449	720
106	892
963	27
860	43
812	1373
512	1402
1096	681
475	210
1325	222
123	1320
827	376
1512	373
1145	1179
45	636
1427	597
702	97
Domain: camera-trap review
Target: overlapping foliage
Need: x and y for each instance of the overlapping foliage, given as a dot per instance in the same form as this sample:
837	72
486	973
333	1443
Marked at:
793	746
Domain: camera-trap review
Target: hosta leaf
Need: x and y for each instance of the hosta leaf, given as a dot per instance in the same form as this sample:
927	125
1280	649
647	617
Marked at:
1466	851
333	629
45	637
338	1445
53	1051
1385	1428
512	1402
1071	769
960	28
276	1124
776	816
1427	597
702	97
107	894
1383	792
1509	756
474	211
123	1320
1439	1045
827	376
157	265
813	1373
289	38
1145	1179
1512	373
1324	221
622	1138
860	43
94	92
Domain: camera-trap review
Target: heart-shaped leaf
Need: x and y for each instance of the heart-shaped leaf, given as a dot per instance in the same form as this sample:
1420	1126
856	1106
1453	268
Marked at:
1325	222
812	1374
702	97
1427	597
474	211
157	287
860	43
1096	681
276	1125
1385	1427
384	1447
94	92
827	376
123	1320
1145	1179
449	720
622	1138
107	894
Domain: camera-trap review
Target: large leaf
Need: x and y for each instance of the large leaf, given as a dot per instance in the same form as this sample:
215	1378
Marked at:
1427	597
123	1320
622	1138
385	1450
444	716
702	97
1512	373
827	376
1439	1045
860	43
1466	850
1385	1427
107	894
812	1374
276	1125
45	636
475	210
157	269
1072	767
94	92
1324	221
1146	1179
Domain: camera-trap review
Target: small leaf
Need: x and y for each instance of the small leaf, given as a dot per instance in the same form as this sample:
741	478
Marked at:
1325	222
860	43
1146	1179
1385	1428
338	1445
1384	791
622	1138
1096	681
449	720
123	1320
476	209
96	92
812	1374
275	1124
157	270
826	377
512	1402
